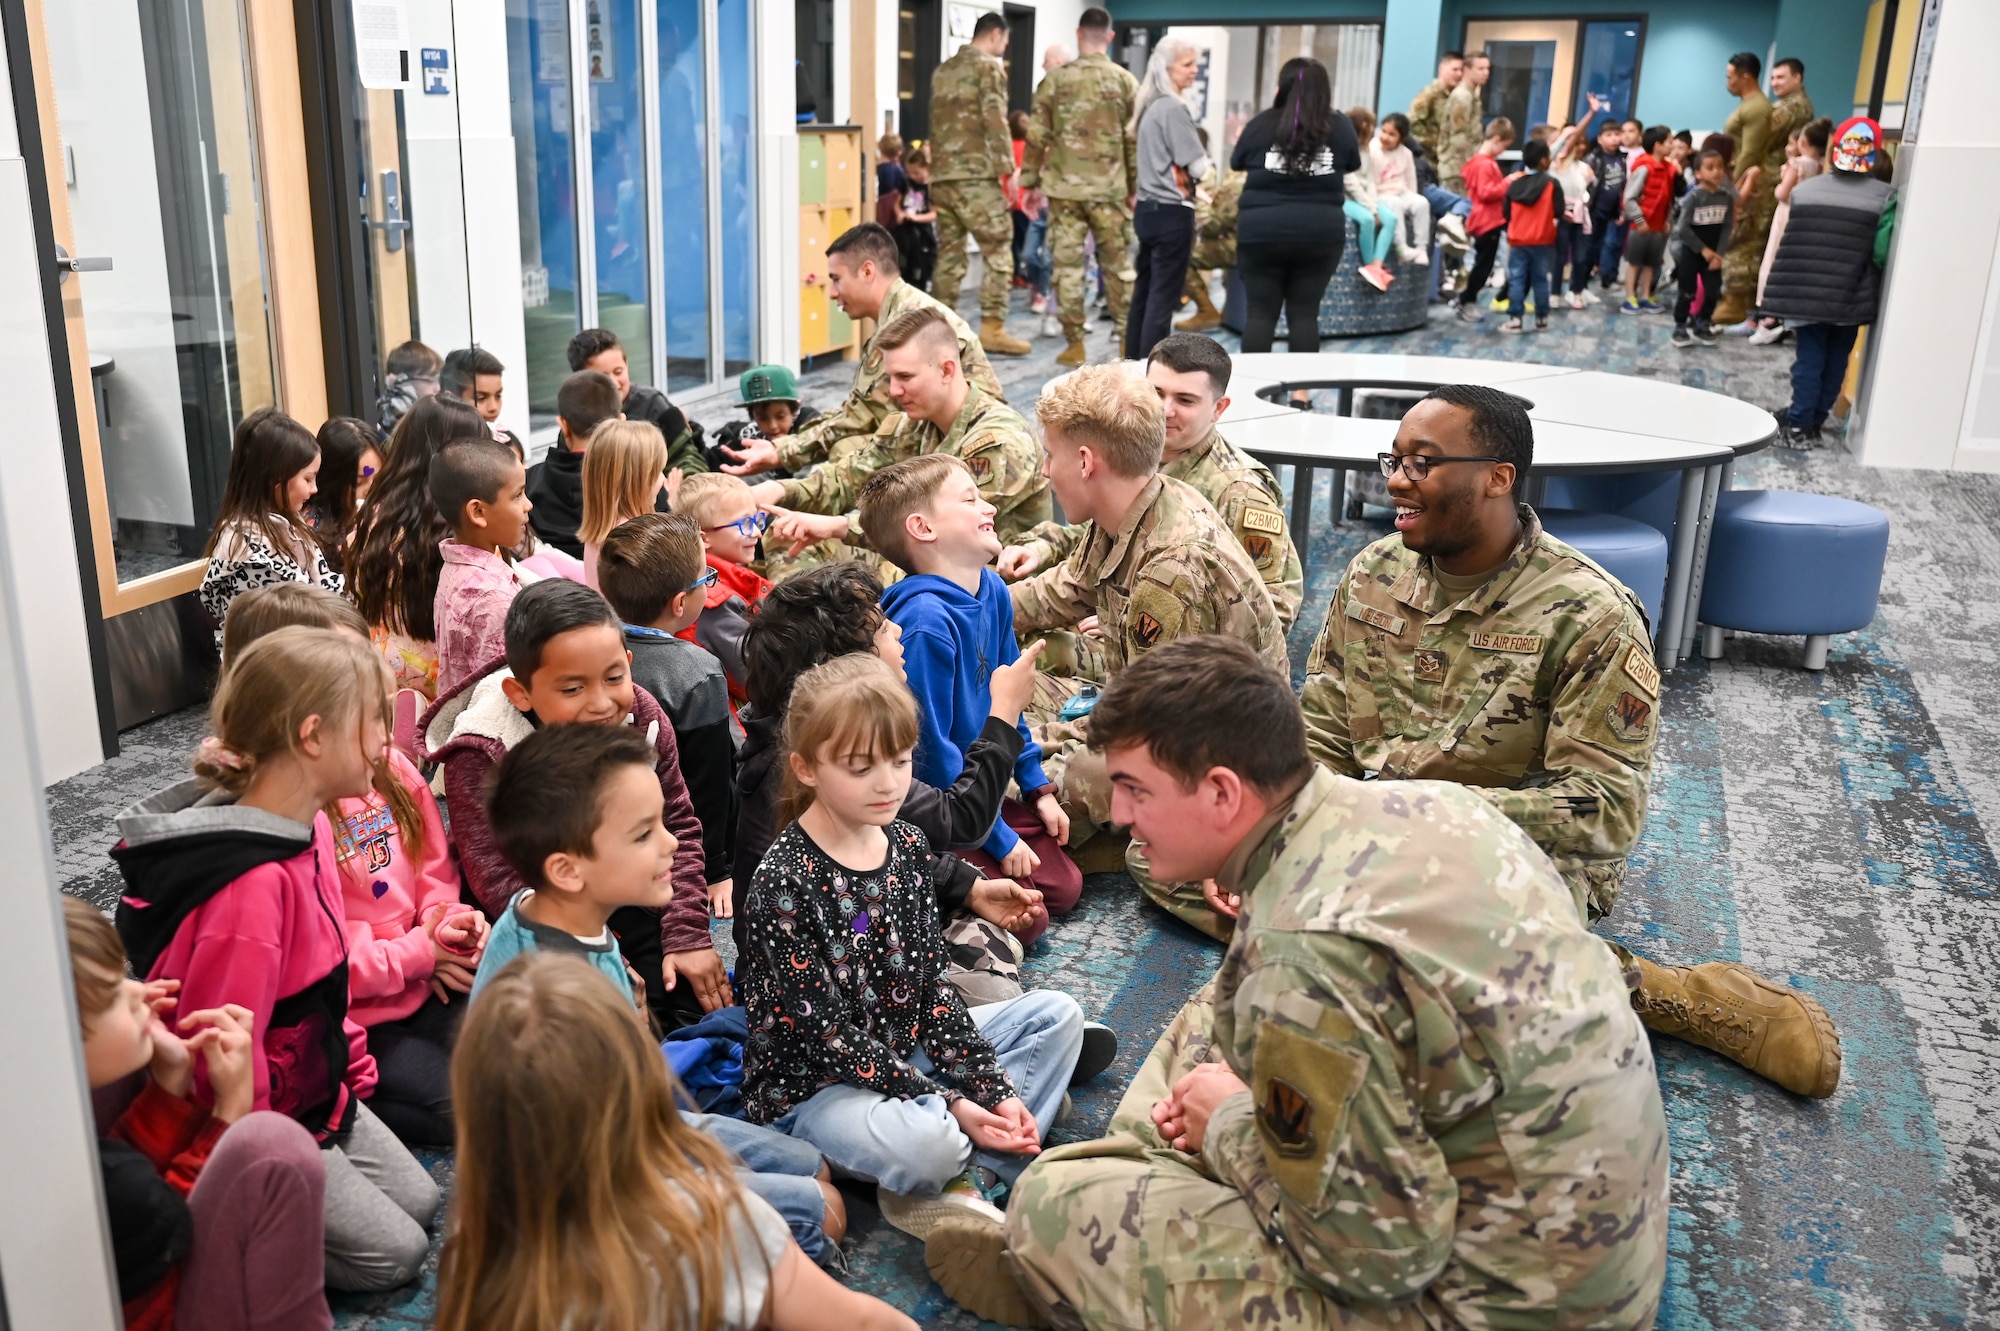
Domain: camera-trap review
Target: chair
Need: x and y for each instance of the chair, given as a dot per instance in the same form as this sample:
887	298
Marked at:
1629	551
1788	562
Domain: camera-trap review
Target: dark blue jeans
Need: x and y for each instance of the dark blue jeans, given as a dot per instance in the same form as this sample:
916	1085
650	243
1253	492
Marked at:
1611	251
1817	371
1529	264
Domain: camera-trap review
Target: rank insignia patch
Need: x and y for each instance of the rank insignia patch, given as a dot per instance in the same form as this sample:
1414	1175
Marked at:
1430	666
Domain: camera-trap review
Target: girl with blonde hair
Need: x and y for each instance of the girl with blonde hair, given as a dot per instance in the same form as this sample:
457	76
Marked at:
585	1199
624	471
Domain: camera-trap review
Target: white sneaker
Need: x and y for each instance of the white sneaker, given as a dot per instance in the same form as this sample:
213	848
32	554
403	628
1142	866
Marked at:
1766	335
1411	254
918	1216
1452	228
1051	326
1590	297
1574	301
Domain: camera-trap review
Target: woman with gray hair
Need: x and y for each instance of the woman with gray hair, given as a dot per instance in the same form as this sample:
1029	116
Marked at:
1172	162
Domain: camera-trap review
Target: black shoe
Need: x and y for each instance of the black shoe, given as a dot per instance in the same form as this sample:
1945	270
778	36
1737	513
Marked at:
1704	335
1797	440
1682	338
1100	1051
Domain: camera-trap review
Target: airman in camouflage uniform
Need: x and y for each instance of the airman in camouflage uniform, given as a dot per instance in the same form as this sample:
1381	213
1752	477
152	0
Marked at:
1427	107
1756	210
1081	155
1462	127
1214	247
972	151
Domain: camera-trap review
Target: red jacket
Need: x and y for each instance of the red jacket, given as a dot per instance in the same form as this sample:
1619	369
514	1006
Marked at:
1656	193
1487	190
150	1225
725	615
1534	202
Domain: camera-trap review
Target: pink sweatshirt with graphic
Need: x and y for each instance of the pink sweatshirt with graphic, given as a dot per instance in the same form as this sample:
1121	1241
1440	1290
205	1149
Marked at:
475	587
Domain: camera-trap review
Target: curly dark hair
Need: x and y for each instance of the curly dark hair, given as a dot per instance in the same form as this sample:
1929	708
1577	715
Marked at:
822	613
1500	424
393	560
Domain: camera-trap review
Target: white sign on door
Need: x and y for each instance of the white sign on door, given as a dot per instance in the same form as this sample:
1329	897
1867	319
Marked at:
382	43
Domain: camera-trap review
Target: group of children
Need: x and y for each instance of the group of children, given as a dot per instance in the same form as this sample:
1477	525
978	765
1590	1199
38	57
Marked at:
633	734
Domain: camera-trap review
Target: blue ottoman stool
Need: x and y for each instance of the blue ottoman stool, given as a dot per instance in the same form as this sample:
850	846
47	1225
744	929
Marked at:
1629	551
1782	561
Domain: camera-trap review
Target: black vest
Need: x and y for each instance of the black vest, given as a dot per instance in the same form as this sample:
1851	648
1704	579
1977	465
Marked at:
1825	269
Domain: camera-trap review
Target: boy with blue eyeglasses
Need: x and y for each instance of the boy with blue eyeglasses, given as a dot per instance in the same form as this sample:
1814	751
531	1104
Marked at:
725	513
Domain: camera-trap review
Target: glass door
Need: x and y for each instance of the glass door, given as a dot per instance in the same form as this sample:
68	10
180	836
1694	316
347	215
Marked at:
154	196
539	61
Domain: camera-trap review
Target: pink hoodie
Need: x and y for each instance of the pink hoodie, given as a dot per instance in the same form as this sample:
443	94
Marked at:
475	587
391	898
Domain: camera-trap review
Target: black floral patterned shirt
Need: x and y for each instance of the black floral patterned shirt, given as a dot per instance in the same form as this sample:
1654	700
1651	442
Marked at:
842	974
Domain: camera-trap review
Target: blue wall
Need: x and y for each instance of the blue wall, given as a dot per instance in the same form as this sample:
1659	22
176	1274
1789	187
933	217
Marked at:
1228	12
1826	35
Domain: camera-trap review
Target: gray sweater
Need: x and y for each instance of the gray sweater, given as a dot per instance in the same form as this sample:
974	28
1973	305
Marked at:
1708	217
1166	140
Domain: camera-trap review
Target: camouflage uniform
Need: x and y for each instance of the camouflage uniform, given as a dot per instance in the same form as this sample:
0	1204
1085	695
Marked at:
1215	229
972	152
1453	1118
1080	154
1427	117
868	403
1460	132
1750	124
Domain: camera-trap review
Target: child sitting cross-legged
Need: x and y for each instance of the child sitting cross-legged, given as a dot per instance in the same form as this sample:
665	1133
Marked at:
858	1042
585	1198
217	1214
926	515
726	514
577	812
482	490
651	571
566	664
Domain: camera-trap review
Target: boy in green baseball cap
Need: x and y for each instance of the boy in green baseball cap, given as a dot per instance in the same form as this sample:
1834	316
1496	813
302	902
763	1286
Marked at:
770	393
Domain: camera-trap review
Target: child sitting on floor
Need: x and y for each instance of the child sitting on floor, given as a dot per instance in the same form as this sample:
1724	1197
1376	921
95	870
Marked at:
566	664
770	396
412	944
262	534
217	1216
725	511
926	516
858	1041
624	475
482	489
577	812
585	1198
654	577
231	889
585	401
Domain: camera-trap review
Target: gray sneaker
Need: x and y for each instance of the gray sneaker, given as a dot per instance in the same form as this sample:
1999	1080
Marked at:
976	1192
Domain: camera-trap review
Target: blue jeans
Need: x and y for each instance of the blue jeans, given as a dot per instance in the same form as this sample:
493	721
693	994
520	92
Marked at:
778	1168
1529	264
1611	251
1818	370
915	1146
1443	201
1037	265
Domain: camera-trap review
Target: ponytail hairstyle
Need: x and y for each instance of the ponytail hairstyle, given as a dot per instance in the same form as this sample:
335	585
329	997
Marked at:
584	1198
393	561
622	470
269	449
853	703
1305	113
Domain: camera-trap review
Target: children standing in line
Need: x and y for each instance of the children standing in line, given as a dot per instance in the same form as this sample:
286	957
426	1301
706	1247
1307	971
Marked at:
231	890
926	516
565	1098
482	489
1708	216
655	579
585	401
1488	193
624	475
730	522
858	1042
1607	204
1649	196
217	1215
1534	205
261	535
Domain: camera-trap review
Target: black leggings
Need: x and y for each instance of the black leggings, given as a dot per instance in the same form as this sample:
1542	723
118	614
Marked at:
413	1071
1484	249
1293	277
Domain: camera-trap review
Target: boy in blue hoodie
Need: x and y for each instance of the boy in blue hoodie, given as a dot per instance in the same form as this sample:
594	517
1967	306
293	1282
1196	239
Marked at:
925	515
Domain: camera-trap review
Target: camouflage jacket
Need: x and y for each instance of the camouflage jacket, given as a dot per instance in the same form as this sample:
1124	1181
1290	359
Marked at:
1171	570
1078	146
1427	116
1217	218
1788	115
867	404
1243	493
1750	125
969	135
1002	453
1460	131
1450	1098
1539	688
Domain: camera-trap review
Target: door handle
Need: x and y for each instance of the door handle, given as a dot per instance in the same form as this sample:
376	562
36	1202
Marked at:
65	265
393	224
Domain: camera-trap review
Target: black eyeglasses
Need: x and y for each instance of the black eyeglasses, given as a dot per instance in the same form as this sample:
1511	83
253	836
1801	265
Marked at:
1416	466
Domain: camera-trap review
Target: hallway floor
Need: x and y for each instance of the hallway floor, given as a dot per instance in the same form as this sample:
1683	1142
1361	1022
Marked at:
1832	829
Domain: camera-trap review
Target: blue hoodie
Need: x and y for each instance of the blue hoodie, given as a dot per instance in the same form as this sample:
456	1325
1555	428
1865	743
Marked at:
951	643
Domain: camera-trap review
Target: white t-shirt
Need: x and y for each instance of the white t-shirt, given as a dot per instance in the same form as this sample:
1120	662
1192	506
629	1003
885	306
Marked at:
758	1239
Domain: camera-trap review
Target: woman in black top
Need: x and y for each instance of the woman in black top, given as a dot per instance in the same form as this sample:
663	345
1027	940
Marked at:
1291	227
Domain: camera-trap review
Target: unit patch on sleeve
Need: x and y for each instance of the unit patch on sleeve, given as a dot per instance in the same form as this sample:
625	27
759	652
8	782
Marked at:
1630	717
981	467
1640	668
1263	519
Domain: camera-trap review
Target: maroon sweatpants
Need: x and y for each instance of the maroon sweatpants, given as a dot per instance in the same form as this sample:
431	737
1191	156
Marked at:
1057	878
259	1257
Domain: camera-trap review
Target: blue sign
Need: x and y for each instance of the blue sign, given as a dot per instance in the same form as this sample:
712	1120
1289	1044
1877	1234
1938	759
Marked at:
437	72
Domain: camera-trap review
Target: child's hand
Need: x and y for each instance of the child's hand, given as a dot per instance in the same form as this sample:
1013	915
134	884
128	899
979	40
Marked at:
173	1065
674	478
460	932
804	529
1020	861
1002	901
1050	810
753	456
722	899
225	1045
160	996
639	991
1007	1127
1011	686
703	969
1714	259
452	977
1016	562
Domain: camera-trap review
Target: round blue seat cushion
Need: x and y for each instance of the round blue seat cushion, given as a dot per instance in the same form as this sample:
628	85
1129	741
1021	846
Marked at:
1629	551
1788	562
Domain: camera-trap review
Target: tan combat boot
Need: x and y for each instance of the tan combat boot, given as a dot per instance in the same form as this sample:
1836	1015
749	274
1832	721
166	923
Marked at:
1772	1029
967	1256
1205	314
1073	355
1731	310
993	337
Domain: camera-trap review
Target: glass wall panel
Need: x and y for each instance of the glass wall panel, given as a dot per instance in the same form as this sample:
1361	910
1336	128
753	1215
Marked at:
739	261
618	178
1609	67
1351	52
538	62
684	186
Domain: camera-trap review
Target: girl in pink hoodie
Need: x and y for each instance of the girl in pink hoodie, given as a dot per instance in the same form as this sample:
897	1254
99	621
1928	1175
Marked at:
232	888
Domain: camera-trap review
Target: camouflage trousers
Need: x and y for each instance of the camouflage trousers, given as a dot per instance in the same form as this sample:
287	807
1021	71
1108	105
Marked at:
1070	220
1217	253
976	208
1746	246
1125	1232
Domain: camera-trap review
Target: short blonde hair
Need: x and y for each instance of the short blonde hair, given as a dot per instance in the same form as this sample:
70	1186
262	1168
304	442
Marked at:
703	494
622	471
898	490
1118	416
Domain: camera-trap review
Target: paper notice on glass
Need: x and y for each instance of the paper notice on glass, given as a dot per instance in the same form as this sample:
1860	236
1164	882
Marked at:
382	43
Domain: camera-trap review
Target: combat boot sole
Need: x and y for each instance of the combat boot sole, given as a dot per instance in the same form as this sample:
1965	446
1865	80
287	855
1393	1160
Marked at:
1777	1032
967	1256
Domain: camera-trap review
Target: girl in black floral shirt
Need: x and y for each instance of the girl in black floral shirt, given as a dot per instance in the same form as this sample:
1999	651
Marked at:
858	1043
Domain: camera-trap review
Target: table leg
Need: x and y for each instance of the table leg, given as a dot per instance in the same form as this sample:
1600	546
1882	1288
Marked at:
1680	568
1302	505
1338	508
1712	483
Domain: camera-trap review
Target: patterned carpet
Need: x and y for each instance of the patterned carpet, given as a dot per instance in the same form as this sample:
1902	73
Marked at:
1828	828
